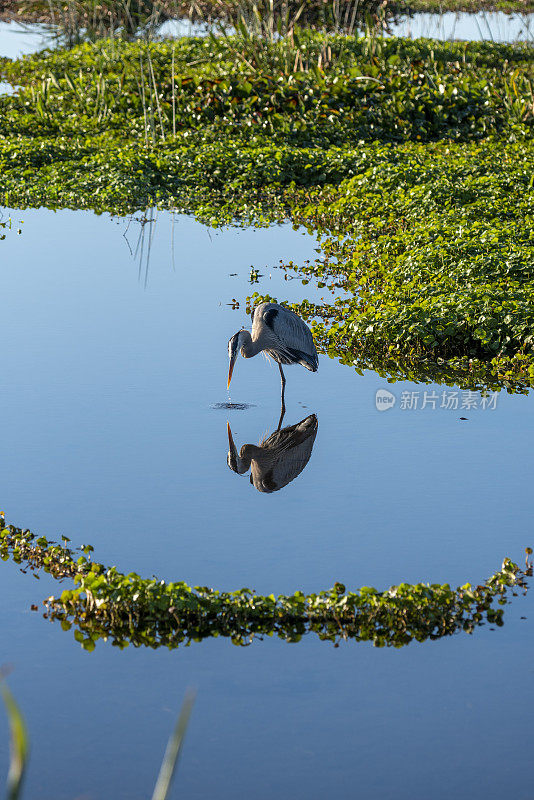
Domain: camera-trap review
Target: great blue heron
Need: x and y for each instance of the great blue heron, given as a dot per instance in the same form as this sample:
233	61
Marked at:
278	459
281	334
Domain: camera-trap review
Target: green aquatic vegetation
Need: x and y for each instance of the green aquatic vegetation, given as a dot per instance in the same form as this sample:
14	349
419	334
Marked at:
128	609
411	161
514	375
434	247
366	89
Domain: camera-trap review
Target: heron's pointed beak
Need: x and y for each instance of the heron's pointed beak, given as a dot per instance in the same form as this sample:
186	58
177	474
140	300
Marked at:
232	459
231	369
231	444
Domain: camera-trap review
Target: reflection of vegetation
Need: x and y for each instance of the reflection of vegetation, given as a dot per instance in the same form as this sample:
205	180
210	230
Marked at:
79	20
126	17
19	744
522	8
6	225
128	609
412	160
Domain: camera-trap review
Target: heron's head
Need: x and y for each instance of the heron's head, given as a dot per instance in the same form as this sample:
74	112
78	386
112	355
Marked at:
234	460
234	346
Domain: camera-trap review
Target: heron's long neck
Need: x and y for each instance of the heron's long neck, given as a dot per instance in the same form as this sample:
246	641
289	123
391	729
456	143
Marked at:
250	347
246	454
249	452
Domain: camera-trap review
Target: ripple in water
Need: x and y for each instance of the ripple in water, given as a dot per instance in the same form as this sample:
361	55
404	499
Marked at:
233	406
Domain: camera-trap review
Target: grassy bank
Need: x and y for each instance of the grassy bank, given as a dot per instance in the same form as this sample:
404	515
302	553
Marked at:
412	161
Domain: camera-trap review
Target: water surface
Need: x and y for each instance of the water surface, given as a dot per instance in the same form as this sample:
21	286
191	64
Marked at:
18	39
491	26
114	432
112	365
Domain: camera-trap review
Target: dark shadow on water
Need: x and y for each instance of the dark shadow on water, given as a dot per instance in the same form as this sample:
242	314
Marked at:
233	406
278	459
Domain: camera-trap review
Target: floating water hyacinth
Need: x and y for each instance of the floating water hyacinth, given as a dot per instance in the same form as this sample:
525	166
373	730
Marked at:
128	609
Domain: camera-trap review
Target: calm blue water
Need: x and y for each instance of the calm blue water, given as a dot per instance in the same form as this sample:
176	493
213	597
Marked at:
18	40
110	373
491	26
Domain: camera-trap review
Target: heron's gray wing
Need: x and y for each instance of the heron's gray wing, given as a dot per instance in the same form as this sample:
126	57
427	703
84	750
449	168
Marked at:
292	333
285	454
271	475
290	436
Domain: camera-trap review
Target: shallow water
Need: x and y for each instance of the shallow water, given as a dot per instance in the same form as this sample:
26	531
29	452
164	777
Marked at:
492	26
112	364
18	40
114	417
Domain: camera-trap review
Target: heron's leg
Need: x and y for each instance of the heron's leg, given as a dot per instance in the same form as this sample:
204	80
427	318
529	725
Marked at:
283	410
282	414
283	384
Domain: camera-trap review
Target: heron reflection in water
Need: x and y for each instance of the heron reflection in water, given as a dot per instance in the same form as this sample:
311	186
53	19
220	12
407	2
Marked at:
278	459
